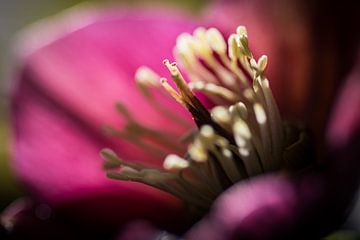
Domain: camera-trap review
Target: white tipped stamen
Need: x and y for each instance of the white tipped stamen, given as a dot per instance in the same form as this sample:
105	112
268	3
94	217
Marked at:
214	89
216	40
242	42
185	91
174	162
184	52
204	50
262	63
244	140
249	94
201	45
197	152
184	48
242	129
239	110
259	113
197	85
221	115
233	50
241	30
172	91
220	91
253	63
244	152
147	77
264	135
207	131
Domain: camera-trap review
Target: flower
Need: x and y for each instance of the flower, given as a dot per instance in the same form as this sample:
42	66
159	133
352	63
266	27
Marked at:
68	85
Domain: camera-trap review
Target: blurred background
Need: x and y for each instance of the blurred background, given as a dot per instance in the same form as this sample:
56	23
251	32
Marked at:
15	15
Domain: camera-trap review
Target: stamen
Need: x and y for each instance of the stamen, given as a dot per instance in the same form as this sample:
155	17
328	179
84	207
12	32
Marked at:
216	40
259	113
241	30
239	109
213	89
146	77
222	116
241	137
172	91
186	97
207	131
137	133
197	152
185	92
184	52
262	63
243	44
201	45
204	50
174	162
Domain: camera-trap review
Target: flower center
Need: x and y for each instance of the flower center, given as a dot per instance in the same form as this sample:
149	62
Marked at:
241	137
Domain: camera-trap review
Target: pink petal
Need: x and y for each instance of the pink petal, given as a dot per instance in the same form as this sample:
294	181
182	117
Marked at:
65	93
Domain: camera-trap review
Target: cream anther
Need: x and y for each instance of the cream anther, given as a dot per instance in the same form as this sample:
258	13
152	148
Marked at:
174	162
147	77
241	128
239	110
221	114
216	40
233	49
241	30
201	45
207	131
197	152
244	152
262	63
259	113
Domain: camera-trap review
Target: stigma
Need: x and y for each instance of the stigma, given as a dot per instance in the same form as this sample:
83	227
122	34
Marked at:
242	136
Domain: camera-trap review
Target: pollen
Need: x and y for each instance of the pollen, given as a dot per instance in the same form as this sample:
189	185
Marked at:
242	136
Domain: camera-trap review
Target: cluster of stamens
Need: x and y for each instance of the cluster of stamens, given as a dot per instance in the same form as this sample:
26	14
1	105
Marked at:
242	136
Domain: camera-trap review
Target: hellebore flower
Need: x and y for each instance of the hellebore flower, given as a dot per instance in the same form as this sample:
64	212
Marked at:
69	82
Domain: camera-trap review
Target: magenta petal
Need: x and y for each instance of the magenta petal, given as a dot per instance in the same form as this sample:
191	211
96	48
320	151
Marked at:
139	230
256	209
66	92
346	112
274	207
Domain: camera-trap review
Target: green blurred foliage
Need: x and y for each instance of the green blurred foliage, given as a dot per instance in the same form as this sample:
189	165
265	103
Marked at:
9	188
343	235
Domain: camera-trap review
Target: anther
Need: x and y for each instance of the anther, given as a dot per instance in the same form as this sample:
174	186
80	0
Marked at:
221	115
259	113
144	76
216	40
174	162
